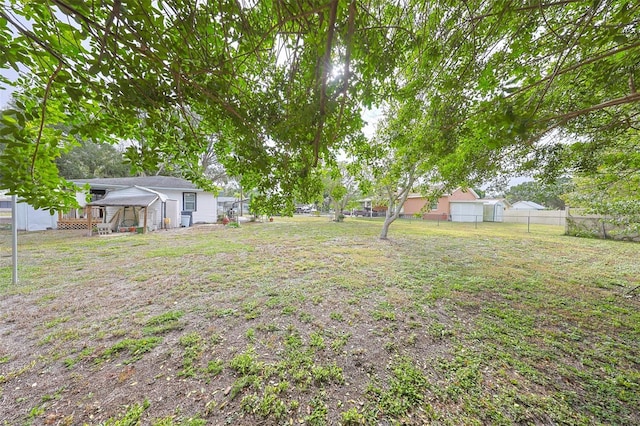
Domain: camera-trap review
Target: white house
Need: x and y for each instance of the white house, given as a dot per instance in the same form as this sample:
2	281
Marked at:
177	198
135	207
189	200
527	205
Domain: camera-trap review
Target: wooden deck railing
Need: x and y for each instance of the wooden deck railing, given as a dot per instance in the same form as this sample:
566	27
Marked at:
71	221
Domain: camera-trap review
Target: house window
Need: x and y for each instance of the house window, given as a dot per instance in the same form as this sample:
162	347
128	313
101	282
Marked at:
434	205
189	201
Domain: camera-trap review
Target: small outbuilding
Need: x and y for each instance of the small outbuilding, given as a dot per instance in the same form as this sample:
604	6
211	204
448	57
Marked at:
493	210
135	209
466	210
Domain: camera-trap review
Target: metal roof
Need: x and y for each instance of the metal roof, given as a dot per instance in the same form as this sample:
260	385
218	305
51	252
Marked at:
154	182
126	200
132	196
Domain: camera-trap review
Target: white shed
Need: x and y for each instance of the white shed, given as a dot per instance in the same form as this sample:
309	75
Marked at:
466	211
31	219
493	210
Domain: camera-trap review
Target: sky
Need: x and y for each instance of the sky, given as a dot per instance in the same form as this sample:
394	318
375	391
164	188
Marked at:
5	93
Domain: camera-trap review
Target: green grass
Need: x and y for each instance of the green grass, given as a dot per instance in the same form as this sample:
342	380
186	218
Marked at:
307	321
163	323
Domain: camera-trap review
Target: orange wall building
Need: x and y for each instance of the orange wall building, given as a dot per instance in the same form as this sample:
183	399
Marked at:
416	204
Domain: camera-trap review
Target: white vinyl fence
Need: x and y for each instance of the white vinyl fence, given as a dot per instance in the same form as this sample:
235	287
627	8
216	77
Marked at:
537	217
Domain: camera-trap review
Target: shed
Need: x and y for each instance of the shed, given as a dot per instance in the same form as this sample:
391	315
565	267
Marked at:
134	207
493	210
31	219
467	211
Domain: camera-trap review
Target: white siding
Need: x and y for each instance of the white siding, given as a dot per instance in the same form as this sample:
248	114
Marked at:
207	208
466	212
173	213
206	205
30	219
493	212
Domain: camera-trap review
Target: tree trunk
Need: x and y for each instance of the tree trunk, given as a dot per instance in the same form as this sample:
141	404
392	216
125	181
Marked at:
385	226
395	206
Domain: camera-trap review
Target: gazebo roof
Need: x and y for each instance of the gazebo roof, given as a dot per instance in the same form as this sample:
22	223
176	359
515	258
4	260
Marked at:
129	200
142	197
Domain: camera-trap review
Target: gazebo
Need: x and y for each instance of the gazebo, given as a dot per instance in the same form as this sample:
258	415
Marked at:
130	209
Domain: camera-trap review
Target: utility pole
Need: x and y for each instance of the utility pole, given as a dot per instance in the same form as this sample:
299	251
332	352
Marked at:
14	234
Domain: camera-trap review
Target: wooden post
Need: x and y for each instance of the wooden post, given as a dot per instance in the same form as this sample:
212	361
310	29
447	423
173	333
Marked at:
144	230
87	211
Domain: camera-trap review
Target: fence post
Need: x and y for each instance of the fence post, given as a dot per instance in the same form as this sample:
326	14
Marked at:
14	239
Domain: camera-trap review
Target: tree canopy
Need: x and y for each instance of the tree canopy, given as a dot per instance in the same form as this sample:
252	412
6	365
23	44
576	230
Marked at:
549	195
91	160
282	83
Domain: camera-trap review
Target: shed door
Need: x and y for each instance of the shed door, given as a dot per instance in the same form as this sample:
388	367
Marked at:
464	212
498	212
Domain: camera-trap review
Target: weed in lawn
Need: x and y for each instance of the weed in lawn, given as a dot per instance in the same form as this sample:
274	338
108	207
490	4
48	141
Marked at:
61	336
163	323
340	341
319	411
305	317
131	417
390	346
72	361
56	321
412	339
246	363
407	390
135	347
352	417
316	341
56	395
269	404
192	345
171	421
251	309
438	331
215	339
36	411
336	316
224	312
384	311
215	367
462	374
288	310
250	334
327	374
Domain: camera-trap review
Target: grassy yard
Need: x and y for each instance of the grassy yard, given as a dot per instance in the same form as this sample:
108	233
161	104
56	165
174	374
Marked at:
306	321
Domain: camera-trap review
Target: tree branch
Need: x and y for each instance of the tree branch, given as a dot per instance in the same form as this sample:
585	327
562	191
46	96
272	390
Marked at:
563	118
42	118
324	75
575	67
527	8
